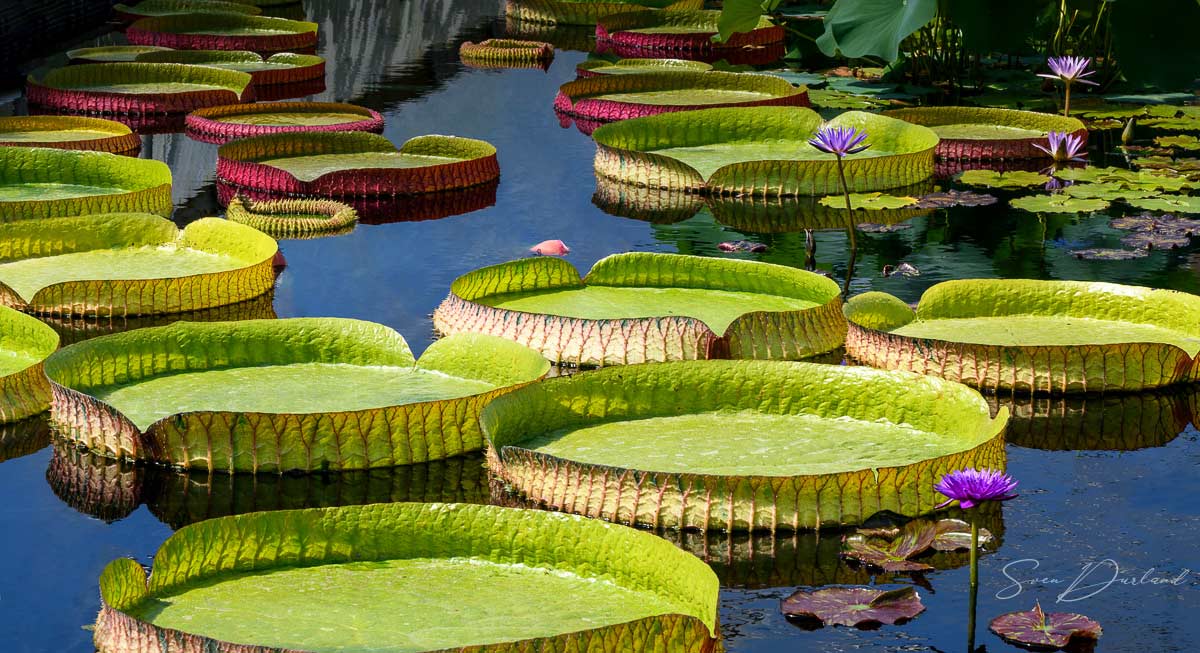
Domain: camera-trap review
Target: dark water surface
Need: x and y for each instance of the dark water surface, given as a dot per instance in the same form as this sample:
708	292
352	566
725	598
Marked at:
1112	479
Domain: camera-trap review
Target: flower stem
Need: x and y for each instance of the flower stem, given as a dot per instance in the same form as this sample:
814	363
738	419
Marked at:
845	189
1067	100
974	587
849	227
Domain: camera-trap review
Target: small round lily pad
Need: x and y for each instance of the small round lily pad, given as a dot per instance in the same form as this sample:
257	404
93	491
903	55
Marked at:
1053	630
297	218
1177	203
506	53
69	133
993	179
868	201
1058	203
1109	254
854	606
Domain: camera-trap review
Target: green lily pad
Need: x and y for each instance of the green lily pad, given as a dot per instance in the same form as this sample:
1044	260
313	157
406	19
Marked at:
69	133
1029	335
348	394
985	133
1107	190
799	78
634	66
131	264
651	426
760	151
25	342
1185	142
381	576
282	67
170	7
993	179
224	31
641	307
586	12
831	99
297	219
111	53
1187	124
1177	203
1140	179
44	182
868	201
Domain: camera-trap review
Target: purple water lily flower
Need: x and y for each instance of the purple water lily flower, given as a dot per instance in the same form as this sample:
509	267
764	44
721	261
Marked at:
973	486
1070	69
839	141
1063	147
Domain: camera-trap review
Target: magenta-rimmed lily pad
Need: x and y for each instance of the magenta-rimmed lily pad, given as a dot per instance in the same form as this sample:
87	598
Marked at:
69	133
585	12
597	67
137	89
147	8
219	125
225	31
1054	630
688	35
111	53
975	133
854	606
281	68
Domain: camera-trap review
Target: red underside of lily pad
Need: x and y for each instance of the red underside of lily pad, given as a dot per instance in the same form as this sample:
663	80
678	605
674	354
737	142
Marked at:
1005	149
594	112
385	210
96	102
360	182
758	47
204	125
300	43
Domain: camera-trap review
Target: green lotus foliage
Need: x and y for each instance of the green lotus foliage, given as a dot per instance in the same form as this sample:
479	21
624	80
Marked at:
586	12
45	182
631	66
641	307
170	7
541	581
868	201
239	60
112	53
811	445
143	78
328	394
1058	203
1012	179
25	342
127	264
980	123
1173	203
1027	335
761	151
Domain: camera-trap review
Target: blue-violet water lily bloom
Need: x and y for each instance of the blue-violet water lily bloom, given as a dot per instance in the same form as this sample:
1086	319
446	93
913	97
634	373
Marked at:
839	141
974	486
1070	69
1063	146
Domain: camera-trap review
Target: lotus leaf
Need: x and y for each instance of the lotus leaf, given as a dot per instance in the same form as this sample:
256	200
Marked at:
594	67
585	12
868	201
170	7
1179	203
982	133
955	198
396	567
111	53
993	179
354	164
1036	628
347	394
759	152
40	182
1029	335
1106	254
831	99
1058	203
854	606
1107	190
130	264
1140	179
69	133
862	28
688	34
643	307
894	553
506	53
224	123
1186	142
224	31
609	98
637	444
26	344
1109	422
281	68
137	88
297	219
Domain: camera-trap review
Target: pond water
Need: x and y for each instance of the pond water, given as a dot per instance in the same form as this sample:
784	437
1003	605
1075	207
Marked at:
1123	499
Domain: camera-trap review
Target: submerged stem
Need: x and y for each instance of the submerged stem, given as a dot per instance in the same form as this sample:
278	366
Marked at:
974	594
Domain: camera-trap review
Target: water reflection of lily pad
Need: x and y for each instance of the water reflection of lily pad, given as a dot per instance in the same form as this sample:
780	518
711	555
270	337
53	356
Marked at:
949	198
1110	422
1108	254
24	437
868	201
73	329
1179	203
830	99
1156	239
854	606
1058	203
653	205
1108	191
794	214
993	179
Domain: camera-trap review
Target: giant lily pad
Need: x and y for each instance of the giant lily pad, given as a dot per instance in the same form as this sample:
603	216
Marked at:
619	97
224	123
283	68
382	575
984	133
854	606
26	343
38	182
640	307
299	218
506	53
738	445
1029	335
1109	422
687	34
597	67
130	264
147	8
327	394
585	12
137	88
349	164
111	53
224	31
69	133
760	152
1038	629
